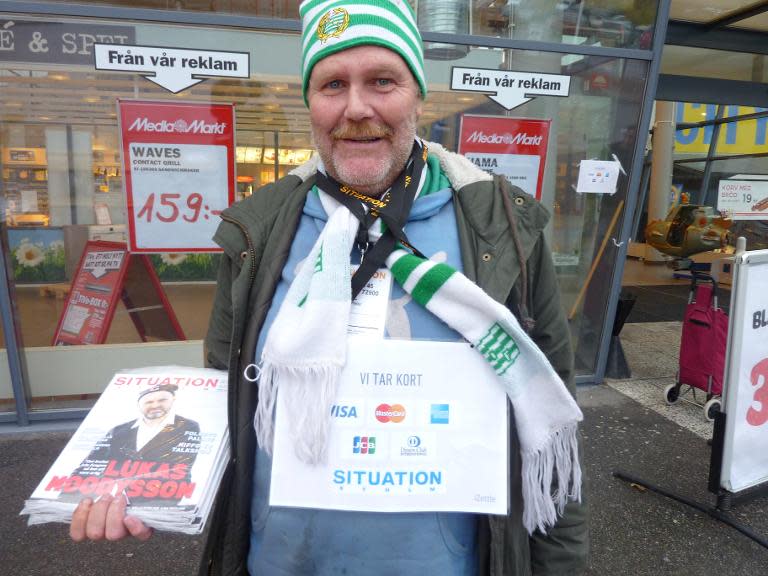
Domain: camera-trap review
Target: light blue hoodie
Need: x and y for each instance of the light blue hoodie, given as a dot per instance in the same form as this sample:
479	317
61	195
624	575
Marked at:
295	541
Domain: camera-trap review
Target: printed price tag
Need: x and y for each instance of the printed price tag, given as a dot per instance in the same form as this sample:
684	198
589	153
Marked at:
743	199
179	167
178	193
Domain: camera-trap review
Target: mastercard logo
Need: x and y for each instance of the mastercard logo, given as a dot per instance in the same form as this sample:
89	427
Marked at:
390	413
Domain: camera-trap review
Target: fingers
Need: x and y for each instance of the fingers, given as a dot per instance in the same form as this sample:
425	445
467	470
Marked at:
114	528
137	528
106	519
95	527
79	520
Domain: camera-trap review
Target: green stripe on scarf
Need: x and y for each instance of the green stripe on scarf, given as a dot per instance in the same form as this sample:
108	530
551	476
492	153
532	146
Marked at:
431	282
404	266
435	179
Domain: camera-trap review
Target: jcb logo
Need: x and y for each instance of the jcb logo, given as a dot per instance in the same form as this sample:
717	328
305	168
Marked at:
364	445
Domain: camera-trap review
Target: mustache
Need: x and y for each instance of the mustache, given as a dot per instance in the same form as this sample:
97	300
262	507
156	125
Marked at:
361	130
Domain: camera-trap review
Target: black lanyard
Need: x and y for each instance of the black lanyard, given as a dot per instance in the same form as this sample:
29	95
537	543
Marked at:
393	208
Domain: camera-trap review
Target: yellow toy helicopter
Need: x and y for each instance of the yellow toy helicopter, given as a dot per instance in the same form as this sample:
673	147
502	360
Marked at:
689	229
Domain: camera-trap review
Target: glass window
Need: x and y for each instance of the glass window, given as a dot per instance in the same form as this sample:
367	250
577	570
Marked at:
63	184
740	153
262	8
743	168
61	168
598	119
687	177
615	23
742	136
7	401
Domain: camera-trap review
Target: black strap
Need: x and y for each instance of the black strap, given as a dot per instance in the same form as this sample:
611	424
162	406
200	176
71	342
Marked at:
393	208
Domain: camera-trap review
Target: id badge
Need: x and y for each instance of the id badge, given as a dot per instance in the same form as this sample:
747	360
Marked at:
369	310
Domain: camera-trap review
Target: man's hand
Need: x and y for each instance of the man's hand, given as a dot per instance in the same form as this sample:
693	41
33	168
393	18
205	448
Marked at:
106	518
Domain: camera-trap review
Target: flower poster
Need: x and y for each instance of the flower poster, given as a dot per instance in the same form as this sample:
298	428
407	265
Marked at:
181	267
37	254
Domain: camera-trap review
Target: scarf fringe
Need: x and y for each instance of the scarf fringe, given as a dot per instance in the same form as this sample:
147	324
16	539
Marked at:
560	456
308	407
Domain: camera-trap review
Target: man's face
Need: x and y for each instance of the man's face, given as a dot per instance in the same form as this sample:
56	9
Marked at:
156	405
364	104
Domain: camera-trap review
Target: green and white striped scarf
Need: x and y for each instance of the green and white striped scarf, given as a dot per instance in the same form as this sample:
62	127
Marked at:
305	352
546	414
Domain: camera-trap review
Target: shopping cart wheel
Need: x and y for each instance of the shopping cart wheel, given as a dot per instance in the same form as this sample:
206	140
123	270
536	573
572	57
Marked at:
711	408
672	393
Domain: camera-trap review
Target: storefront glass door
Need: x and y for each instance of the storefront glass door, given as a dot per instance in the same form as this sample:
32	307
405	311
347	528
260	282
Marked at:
64	183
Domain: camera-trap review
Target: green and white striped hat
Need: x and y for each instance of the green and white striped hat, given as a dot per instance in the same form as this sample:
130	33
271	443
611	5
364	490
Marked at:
330	26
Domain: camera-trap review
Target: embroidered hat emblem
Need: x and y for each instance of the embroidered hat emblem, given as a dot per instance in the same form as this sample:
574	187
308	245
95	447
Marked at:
332	24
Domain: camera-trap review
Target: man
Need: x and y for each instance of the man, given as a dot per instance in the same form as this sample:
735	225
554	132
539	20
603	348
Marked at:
157	435
284	291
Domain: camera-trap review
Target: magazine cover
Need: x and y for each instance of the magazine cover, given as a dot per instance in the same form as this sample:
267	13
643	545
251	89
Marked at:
157	435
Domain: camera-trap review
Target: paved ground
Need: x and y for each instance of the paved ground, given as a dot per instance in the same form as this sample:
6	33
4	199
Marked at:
628	426
46	550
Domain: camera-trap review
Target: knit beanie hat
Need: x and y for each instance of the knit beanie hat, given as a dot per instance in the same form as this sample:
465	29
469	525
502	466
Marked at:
330	26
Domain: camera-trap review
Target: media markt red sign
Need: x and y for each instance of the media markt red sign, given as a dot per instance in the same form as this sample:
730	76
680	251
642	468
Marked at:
179	166
515	148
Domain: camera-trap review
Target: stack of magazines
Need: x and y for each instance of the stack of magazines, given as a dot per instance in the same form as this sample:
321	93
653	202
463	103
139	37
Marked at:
157	435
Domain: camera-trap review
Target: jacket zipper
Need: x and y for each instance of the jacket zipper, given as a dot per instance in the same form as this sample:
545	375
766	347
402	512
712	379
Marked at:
251	251
252	276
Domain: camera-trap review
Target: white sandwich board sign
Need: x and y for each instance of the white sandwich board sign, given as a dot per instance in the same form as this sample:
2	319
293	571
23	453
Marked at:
745	458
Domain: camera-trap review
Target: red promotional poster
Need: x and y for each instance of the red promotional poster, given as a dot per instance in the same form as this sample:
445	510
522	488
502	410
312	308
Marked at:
93	296
179	166
515	148
107	273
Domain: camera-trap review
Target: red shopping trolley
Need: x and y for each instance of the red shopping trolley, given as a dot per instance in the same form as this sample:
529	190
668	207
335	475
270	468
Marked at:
702	347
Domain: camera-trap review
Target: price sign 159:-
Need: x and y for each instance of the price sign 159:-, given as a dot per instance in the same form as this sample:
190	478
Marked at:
179	161
169	207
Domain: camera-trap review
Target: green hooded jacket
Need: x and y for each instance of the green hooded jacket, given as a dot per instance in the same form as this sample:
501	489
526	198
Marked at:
499	227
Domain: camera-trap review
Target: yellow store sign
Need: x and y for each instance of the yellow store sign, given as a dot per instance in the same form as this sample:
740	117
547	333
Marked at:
745	137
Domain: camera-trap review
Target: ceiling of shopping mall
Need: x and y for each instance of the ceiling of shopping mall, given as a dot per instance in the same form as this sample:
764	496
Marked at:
717	39
743	14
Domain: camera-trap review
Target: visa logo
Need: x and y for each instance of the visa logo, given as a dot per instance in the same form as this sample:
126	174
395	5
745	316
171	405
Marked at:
343	411
364	445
